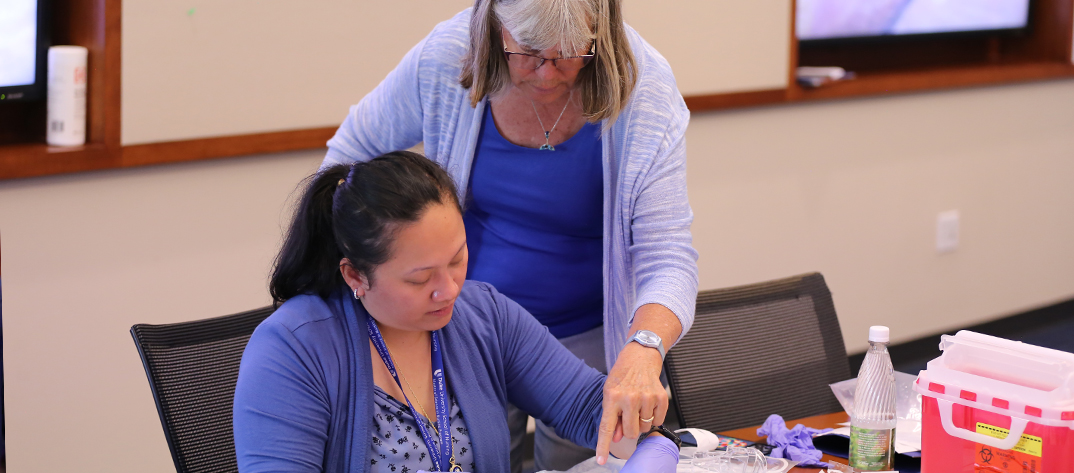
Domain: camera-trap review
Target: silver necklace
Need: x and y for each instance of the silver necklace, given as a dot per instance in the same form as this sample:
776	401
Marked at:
547	146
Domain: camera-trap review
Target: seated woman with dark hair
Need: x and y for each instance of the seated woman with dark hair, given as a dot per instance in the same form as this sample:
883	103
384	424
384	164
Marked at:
381	358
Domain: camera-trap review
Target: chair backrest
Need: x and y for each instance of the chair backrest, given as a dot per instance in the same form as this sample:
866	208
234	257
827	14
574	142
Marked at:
192	369
756	350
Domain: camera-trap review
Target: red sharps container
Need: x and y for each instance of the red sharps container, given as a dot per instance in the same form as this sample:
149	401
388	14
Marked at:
997	406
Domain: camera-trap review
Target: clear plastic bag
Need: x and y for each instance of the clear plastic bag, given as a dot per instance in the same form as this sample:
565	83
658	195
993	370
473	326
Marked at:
740	460
907	402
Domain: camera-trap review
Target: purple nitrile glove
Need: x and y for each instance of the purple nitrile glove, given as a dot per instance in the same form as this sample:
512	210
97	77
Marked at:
794	444
655	454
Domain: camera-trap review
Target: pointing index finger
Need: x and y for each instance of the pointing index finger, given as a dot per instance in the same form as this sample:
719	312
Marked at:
608	421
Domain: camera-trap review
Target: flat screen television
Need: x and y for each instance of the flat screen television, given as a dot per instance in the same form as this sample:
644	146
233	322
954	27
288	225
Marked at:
24	43
840	20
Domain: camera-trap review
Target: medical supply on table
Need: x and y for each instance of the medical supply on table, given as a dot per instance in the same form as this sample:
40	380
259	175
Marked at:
872	422
907	412
740	460
700	440
729	442
996	405
764	448
793	444
709	450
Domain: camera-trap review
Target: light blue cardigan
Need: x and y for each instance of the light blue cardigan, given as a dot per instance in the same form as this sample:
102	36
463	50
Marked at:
648	255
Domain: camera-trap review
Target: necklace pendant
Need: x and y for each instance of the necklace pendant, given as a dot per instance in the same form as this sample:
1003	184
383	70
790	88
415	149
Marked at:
547	147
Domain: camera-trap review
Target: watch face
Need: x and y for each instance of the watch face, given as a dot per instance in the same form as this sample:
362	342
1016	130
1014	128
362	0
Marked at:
647	339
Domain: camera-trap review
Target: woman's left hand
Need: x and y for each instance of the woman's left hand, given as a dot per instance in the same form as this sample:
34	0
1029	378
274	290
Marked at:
634	398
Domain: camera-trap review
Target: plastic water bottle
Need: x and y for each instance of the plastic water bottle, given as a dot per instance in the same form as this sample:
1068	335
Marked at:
872	424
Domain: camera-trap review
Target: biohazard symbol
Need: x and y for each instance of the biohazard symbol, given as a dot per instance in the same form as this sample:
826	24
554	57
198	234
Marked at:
986	455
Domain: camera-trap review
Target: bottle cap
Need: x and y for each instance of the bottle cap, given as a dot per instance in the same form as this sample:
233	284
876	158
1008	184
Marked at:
879	333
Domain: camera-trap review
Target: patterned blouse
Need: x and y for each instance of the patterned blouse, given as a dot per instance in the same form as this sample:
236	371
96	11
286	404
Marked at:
397	446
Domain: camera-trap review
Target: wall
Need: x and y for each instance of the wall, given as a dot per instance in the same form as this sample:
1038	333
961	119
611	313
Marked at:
260	65
87	256
852	189
718	46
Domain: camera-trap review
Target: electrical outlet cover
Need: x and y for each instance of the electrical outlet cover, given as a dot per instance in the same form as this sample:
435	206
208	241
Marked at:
947	231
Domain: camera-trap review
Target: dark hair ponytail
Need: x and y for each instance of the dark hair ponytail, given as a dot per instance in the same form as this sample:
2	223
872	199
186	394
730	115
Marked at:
351	211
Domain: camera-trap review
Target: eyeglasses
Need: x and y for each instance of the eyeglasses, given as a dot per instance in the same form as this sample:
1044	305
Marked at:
531	61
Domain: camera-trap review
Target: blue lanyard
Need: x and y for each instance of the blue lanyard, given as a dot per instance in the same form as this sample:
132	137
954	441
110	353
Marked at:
442	459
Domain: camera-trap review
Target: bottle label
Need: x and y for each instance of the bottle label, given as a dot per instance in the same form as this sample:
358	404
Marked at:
871	449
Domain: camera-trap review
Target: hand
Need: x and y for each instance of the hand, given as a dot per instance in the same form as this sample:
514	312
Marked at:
634	399
656	454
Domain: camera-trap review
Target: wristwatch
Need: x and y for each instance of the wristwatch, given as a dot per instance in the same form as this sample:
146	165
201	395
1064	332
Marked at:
649	339
666	432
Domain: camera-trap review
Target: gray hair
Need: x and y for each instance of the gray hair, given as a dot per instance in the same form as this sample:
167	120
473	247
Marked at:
605	84
541	24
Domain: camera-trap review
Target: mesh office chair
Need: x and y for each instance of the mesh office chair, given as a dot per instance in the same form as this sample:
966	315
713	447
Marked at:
192	369
756	350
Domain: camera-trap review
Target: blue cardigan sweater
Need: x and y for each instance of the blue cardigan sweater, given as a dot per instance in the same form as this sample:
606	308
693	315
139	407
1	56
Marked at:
648	252
304	396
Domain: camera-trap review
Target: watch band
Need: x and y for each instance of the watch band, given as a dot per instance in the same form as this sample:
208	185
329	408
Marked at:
666	432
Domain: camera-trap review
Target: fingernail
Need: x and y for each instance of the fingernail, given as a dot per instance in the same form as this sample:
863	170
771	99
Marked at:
602	460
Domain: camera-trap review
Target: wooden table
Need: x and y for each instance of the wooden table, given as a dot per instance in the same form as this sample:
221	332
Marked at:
817	422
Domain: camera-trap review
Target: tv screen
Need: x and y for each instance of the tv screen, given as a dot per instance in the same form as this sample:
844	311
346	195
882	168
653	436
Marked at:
23	49
842	19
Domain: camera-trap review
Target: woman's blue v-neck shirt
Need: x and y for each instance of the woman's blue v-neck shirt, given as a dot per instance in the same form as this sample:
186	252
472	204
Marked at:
533	225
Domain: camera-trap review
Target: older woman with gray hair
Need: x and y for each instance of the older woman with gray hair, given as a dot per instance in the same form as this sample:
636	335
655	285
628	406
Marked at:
564	132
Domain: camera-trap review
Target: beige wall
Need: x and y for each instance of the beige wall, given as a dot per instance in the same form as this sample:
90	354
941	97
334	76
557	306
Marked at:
852	189
848	188
718	46
259	66
87	256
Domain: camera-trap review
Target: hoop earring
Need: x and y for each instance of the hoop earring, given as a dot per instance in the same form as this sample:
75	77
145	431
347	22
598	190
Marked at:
356	294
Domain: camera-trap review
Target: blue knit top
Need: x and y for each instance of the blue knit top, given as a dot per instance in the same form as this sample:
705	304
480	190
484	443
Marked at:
534	226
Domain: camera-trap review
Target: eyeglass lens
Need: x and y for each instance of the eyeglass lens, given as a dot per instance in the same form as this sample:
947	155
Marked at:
526	61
